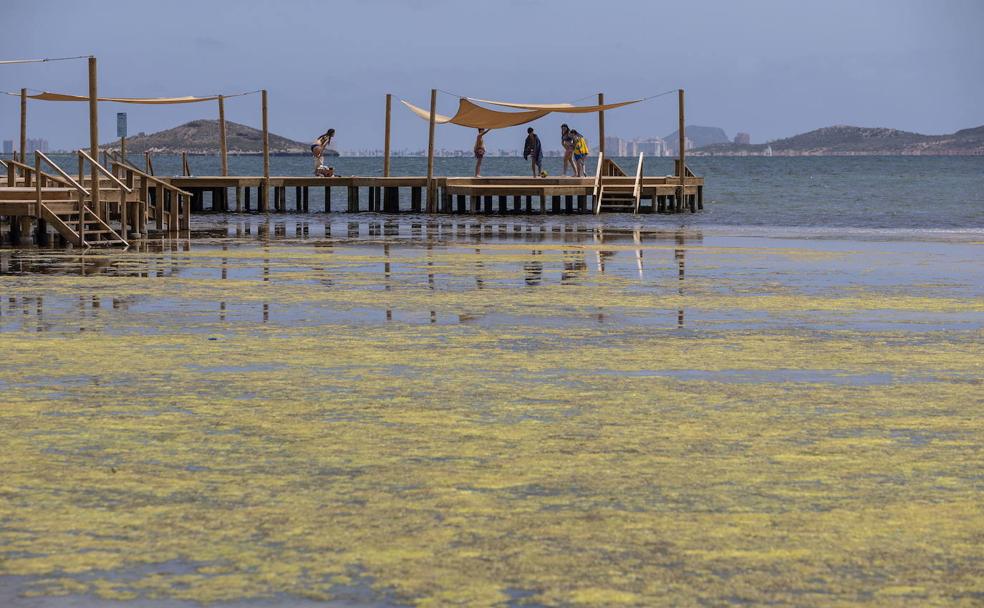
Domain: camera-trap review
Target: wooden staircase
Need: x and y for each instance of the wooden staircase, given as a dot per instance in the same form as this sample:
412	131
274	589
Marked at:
616	196
59	200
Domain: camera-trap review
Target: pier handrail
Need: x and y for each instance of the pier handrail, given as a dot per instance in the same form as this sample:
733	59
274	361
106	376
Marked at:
151	178
13	164
105	171
637	189
71	180
597	184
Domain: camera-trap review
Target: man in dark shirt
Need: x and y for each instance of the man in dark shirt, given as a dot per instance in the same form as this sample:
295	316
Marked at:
533	151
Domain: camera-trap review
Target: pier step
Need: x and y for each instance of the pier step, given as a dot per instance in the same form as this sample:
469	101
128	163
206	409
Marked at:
96	232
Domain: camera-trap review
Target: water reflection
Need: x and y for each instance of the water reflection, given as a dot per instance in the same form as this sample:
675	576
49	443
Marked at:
491	260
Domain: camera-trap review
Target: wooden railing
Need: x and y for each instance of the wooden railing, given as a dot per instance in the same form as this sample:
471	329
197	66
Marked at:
637	189
82	192
176	219
122	188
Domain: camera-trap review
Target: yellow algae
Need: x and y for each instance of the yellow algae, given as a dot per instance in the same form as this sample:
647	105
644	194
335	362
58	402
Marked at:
553	457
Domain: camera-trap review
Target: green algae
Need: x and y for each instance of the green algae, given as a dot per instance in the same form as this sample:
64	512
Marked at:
454	463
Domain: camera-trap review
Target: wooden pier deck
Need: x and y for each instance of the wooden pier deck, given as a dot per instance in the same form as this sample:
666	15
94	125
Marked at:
126	203
246	194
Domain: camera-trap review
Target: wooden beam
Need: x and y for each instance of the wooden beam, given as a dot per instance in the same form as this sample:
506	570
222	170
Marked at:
683	156
223	153
601	124
23	126
431	198
386	142
94	136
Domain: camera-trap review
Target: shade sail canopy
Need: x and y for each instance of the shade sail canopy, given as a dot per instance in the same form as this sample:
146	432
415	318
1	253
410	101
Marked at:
470	114
475	116
46	96
564	108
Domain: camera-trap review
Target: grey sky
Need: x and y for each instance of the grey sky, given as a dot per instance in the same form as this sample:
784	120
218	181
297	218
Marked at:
772	68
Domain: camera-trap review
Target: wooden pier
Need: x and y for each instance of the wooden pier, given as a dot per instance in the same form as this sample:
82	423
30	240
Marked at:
115	201
254	194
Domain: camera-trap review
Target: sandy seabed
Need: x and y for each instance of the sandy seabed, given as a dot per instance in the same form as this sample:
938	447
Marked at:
492	414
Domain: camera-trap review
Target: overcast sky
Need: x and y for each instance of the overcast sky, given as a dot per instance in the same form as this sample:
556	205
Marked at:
771	68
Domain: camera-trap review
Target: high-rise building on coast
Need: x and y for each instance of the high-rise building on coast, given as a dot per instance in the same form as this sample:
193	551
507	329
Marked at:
8	147
40	144
743	139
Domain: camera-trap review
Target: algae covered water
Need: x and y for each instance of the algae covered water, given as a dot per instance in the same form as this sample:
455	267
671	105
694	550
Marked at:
360	410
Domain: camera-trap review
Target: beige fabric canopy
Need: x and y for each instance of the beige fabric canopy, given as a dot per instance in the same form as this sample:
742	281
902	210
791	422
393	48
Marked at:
46	96
473	115
564	108
470	114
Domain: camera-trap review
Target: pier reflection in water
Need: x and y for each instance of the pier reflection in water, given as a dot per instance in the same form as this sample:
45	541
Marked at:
292	257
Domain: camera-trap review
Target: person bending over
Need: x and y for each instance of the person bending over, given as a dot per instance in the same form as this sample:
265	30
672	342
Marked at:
318	151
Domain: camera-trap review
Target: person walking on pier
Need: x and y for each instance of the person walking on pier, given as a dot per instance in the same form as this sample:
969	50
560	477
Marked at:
534	152
318	151
567	141
580	153
480	151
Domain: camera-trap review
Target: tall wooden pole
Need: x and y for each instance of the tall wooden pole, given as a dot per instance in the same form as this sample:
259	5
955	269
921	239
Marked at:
601	124
386	143
266	155
431	197
93	135
23	133
123	147
683	155
223	153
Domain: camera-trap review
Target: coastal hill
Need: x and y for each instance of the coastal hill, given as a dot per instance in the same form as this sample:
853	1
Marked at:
844	140
202	137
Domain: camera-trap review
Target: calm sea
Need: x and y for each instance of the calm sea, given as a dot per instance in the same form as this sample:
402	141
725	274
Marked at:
810	193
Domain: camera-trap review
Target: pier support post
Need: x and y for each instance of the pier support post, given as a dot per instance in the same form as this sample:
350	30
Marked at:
601	124
386	142
94	137
327	199
23	126
223	152
415	199
431	189
266	153
683	157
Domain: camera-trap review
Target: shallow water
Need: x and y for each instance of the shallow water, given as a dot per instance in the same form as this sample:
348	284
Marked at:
808	193
493	411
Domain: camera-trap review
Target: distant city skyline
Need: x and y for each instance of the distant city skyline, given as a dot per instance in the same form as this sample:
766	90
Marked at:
766	67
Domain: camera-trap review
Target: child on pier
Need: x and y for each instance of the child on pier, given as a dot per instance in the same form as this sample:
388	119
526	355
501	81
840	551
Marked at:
580	152
318	151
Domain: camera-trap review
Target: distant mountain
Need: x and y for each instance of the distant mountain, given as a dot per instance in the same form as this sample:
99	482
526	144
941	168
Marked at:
844	140
202	137
701	136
